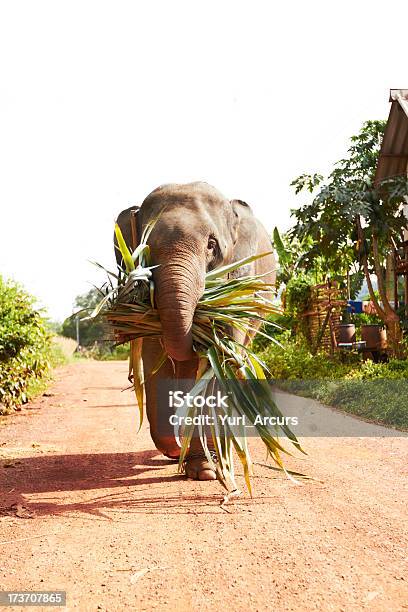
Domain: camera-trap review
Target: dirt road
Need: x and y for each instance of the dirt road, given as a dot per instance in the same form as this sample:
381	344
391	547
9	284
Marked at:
89	507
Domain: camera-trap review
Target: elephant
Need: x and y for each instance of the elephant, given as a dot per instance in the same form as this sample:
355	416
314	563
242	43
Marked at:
198	229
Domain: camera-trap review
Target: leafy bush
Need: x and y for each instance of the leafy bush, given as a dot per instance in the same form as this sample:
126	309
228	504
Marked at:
297	299
298	295
295	361
279	327
365	319
24	345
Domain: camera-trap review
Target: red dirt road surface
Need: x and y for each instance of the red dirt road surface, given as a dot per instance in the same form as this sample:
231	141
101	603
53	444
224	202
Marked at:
90	507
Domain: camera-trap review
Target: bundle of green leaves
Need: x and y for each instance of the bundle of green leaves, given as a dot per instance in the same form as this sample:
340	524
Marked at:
227	304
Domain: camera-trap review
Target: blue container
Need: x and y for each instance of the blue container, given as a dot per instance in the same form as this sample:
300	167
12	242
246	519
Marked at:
355	307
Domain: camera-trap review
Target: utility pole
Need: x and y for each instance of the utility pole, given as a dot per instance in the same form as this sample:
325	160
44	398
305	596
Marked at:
77	332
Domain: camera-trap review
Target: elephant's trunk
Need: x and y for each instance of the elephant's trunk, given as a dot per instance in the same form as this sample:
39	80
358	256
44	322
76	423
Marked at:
179	285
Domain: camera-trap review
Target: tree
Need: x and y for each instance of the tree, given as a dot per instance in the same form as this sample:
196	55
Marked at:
354	221
91	331
291	252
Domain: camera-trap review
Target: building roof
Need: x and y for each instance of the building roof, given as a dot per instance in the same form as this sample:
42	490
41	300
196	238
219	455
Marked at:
393	159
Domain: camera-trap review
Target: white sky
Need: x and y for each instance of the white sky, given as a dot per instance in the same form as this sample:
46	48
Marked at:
101	102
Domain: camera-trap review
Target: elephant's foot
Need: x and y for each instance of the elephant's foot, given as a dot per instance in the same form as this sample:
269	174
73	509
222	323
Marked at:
197	467
172	455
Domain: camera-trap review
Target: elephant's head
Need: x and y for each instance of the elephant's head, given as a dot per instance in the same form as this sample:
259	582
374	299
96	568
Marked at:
195	232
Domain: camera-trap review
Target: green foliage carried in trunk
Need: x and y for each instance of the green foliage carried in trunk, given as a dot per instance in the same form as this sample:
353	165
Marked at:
227	305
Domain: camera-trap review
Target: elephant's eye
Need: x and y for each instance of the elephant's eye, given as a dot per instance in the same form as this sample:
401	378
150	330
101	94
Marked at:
212	243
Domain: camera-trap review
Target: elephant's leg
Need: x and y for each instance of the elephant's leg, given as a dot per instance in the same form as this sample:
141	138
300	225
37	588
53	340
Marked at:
161	431
196	464
158	413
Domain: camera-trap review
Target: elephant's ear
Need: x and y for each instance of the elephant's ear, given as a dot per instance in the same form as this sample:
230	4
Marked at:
239	209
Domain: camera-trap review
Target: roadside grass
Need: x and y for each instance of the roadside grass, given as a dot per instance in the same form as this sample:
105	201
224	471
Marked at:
376	392
106	352
63	349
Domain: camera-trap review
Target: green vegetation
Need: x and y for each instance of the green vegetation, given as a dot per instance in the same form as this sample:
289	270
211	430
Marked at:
92	334
113	353
227	305
373	391
91	331
344	231
353	222
26	351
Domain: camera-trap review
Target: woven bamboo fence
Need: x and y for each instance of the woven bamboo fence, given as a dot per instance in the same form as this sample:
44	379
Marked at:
323	317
